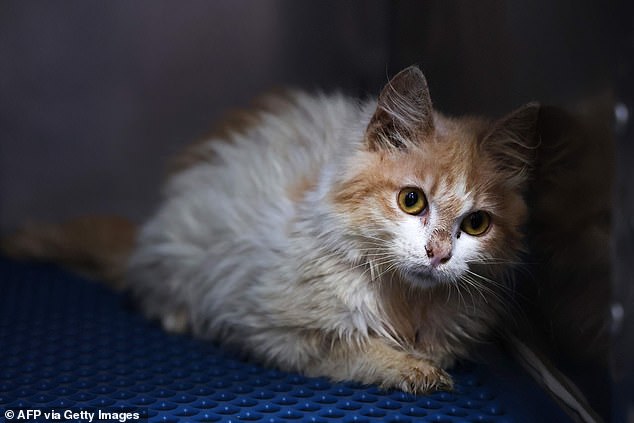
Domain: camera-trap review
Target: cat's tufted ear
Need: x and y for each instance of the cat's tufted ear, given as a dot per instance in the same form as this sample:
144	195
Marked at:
403	111
512	141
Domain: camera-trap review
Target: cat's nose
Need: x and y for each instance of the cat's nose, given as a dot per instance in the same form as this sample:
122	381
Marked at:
439	253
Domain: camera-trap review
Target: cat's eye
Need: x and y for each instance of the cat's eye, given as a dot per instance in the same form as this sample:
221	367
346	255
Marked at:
476	223
412	200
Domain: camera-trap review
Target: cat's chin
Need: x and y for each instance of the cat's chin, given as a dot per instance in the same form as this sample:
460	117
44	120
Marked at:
423	278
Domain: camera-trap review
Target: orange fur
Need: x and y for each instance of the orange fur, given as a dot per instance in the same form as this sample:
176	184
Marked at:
95	246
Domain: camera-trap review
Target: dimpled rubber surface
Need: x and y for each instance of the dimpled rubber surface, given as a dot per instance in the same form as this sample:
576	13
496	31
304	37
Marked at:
67	343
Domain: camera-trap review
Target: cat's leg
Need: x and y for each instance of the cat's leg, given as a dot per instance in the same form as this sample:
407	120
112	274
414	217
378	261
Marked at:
375	362
371	361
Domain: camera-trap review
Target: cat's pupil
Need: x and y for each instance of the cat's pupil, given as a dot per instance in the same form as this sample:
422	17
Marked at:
411	199
476	220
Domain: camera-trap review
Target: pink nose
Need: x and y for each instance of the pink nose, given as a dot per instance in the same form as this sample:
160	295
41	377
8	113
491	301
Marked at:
439	253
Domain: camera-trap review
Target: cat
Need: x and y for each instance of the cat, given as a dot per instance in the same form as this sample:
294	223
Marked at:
368	241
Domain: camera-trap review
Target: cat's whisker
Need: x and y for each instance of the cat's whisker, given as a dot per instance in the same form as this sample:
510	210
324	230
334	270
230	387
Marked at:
486	279
494	262
393	264
466	304
373	238
517	266
472	283
484	258
374	267
457	287
483	287
505	302
376	240
471	295
448	296
371	268
386	261
504	298
383	253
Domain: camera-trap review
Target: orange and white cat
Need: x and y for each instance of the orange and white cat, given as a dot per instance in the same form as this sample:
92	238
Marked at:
358	240
355	240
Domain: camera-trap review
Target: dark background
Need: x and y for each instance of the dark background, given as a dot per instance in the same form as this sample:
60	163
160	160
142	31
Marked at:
95	97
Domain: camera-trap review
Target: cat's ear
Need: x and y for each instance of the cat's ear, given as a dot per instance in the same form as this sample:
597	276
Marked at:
403	112
512	141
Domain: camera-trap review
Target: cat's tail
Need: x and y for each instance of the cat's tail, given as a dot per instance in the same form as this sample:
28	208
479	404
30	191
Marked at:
94	246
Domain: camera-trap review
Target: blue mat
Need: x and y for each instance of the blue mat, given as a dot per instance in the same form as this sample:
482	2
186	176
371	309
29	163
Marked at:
71	346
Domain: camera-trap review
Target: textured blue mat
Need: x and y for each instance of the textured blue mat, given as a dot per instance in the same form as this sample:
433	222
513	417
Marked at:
70	344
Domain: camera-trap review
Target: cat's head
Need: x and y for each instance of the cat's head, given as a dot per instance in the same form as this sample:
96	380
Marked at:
432	198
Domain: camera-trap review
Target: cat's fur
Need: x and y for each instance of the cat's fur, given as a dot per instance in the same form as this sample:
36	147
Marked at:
285	238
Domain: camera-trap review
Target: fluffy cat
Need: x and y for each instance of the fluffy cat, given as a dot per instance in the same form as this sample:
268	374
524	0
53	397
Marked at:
359	241
367	241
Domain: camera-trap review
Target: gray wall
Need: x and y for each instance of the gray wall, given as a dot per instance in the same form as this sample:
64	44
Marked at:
96	96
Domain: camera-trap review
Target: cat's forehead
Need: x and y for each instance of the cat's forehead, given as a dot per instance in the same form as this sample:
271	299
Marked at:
444	162
448	184
451	168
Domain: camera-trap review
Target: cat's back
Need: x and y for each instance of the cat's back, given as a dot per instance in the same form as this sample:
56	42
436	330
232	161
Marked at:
249	177
226	213
284	135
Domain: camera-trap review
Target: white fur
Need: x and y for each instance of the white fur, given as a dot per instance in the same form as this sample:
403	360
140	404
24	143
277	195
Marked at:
413	233
231	248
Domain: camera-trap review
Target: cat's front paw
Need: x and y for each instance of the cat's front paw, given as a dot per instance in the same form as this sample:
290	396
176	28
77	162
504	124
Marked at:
426	379
420	377
382	364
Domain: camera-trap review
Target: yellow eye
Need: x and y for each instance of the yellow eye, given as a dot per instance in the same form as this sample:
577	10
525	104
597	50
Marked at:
412	200
476	223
